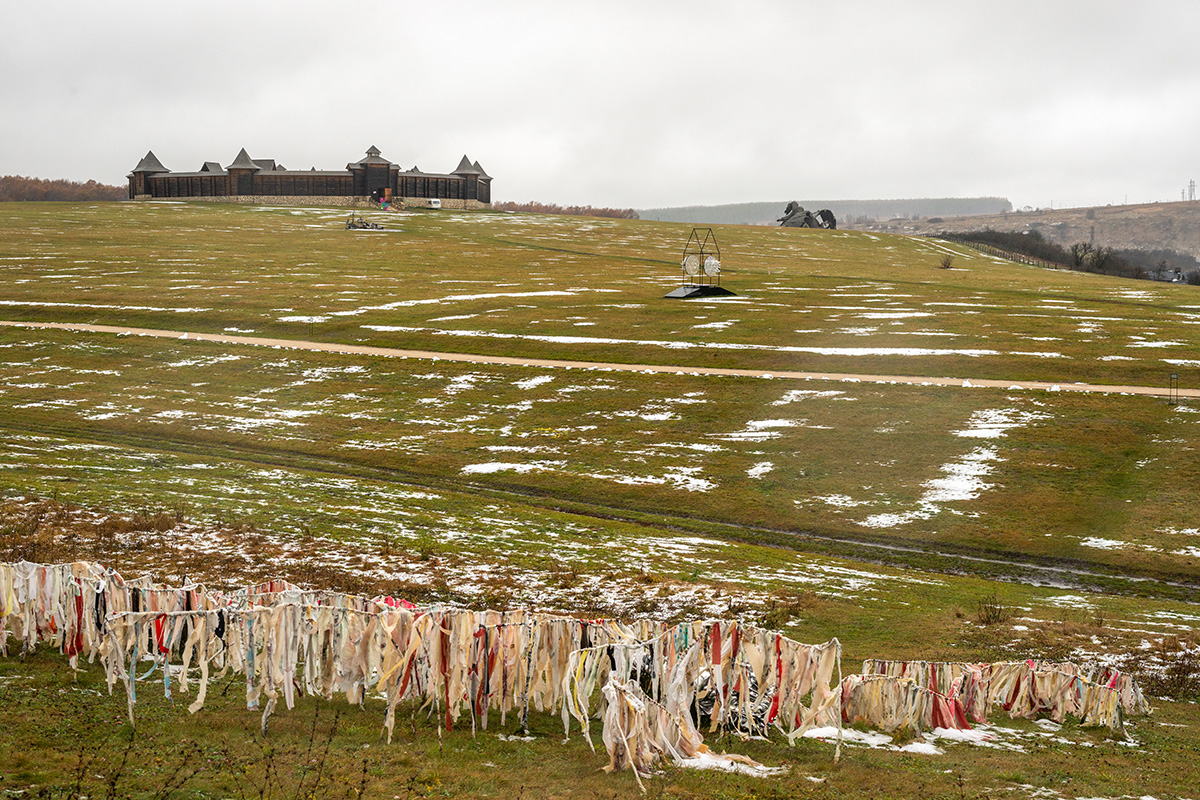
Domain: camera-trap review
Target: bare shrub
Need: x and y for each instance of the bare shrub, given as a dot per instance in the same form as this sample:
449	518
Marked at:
1175	671
990	611
786	605
563	574
646	577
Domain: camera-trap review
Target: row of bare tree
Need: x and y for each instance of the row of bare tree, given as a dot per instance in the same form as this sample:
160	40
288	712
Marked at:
1162	265
20	188
575	211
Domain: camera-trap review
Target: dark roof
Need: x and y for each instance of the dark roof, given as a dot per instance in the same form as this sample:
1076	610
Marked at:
150	163
183	175
243	161
373	157
340	173
417	171
465	167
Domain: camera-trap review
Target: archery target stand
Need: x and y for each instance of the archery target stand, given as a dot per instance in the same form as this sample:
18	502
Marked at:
701	267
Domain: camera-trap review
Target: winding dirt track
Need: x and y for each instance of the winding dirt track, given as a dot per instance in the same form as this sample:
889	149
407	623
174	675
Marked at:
389	352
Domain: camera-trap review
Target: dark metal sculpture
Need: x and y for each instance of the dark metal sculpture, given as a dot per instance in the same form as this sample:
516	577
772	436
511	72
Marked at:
360	224
794	216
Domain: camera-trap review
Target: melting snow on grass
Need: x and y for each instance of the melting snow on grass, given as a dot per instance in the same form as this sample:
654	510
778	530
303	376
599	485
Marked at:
760	469
758	430
531	383
496	466
680	345
796	395
962	480
992	423
841	501
678	477
1102	544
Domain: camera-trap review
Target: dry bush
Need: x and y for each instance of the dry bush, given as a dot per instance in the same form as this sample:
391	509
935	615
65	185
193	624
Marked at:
1175	672
563	574
990	611
34	533
1082	625
645	605
646	577
497	594
786	605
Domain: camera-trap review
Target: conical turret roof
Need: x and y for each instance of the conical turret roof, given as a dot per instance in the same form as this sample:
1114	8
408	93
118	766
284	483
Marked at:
243	161
479	169
465	167
150	163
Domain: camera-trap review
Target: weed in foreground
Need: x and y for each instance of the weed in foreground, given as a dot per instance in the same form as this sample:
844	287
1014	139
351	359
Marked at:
990	611
786	605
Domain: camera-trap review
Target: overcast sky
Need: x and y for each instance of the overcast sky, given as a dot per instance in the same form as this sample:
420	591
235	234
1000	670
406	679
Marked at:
629	104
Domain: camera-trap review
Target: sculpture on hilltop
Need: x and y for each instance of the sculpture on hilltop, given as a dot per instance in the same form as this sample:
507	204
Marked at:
794	216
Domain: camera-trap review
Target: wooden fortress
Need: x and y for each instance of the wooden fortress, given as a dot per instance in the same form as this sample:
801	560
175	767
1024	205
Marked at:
255	180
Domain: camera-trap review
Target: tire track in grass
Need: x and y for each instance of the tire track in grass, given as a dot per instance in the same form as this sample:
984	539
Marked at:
474	358
1061	572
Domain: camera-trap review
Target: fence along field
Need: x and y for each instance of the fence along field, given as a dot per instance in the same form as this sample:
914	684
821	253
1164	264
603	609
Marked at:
947	469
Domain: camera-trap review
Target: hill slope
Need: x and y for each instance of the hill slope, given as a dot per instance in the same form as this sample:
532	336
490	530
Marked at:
858	464
589	491
1154	226
766	213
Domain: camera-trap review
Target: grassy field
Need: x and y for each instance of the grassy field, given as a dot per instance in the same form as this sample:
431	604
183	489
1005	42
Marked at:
67	738
879	514
590	289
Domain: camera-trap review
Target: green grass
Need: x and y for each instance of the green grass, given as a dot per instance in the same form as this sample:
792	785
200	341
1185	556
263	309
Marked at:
625	492
1068	469
212	267
65	736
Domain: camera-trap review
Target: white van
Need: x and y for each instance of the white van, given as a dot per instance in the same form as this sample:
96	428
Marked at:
435	202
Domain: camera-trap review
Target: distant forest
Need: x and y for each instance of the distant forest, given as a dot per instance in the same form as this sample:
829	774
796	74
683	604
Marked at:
18	188
846	211
1162	265
575	211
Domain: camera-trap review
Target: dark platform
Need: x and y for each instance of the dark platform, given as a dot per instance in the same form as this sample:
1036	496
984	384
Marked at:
687	292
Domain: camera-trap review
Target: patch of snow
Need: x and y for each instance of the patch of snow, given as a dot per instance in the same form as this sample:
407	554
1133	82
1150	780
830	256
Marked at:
530	383
760	469
1102	544
496	466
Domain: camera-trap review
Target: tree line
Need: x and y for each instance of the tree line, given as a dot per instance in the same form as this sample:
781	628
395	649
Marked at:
1161	264
19	188
574	211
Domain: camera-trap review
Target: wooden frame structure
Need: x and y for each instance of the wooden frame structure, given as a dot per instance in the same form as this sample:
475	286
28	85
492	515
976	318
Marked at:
371	177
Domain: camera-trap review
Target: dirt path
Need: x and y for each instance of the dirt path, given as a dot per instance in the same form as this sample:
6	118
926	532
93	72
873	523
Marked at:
390	352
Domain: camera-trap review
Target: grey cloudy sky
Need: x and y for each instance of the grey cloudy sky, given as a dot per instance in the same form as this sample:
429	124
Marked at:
618	103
